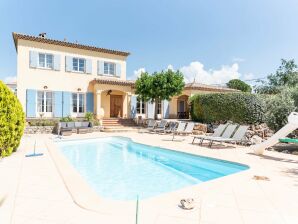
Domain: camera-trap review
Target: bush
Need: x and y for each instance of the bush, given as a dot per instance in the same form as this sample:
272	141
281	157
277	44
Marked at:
66	119
89	116
42	122
279	107
12	121
242	108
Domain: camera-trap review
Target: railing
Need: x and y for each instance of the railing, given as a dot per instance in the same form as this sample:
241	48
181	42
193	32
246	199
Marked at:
183	115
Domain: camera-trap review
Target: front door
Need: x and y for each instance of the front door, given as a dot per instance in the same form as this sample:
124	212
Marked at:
116	105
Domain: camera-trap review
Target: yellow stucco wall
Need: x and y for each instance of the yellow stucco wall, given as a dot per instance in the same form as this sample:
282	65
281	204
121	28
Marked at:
36	78
104	110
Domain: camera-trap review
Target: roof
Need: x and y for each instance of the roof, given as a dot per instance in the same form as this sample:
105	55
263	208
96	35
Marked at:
115	82
199	86
17	36
193	86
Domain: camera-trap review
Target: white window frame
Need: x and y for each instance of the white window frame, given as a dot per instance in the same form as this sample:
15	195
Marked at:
78	69
142	107
46	61
77	113
44	113
109	68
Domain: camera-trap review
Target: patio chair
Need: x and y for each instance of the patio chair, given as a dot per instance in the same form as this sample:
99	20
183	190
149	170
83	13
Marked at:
217	133
237	137
161	126
188	130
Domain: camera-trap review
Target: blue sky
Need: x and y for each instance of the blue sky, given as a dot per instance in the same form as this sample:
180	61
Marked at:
211	41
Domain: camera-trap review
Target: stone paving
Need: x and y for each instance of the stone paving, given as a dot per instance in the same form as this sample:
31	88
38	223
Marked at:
32	190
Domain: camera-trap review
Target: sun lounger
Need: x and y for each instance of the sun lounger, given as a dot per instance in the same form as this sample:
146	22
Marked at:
161	126
237	137
188	130
171	127
217	133
151	125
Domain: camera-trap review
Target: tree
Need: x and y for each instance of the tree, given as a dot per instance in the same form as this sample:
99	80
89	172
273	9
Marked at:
159	86
240	85
285	76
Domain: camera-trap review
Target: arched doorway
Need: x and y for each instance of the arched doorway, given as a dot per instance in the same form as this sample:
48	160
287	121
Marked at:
182	107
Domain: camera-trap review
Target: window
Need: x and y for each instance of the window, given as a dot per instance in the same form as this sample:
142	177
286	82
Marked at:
45	61
78	103
78	64
158	107
44	102
140	106
109	68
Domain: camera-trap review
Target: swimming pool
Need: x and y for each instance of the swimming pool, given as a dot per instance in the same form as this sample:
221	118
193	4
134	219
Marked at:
120	169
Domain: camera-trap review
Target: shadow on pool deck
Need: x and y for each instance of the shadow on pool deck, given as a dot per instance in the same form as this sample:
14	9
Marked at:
280	159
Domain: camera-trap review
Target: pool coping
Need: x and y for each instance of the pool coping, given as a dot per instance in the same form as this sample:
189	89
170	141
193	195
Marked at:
85	197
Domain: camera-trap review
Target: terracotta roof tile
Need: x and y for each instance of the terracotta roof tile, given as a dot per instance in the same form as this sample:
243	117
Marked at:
17	36
199	86
114	82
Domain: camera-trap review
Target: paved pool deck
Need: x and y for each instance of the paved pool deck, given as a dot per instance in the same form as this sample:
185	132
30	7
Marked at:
33	191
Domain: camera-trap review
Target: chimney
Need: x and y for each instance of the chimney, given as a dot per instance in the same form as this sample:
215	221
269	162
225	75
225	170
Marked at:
43	35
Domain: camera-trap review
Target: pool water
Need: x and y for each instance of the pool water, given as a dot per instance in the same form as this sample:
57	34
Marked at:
120	169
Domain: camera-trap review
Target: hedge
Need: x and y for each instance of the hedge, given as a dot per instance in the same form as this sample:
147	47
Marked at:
242	108
12	121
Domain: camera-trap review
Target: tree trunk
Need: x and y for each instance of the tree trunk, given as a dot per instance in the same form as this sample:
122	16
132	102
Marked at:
155	108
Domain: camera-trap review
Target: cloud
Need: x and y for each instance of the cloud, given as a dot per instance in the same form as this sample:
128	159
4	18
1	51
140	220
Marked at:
138	72
236	59
170	67
10	79
195	70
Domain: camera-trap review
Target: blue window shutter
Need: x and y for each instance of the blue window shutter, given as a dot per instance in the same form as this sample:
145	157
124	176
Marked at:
68	63
166	109
88	66
66	104
30	103
90	102
118	69
150	109
100	67
58	103
57	62
33	59
133	106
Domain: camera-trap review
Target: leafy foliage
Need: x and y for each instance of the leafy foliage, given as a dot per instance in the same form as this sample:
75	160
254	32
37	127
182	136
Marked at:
159	86
89	116
240	85
42	122
12	121
279	107
66	119
285	76
236	107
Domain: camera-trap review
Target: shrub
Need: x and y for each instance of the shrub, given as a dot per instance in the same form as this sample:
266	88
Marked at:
242	108
42	122
89	116
12	121
279	107
66	119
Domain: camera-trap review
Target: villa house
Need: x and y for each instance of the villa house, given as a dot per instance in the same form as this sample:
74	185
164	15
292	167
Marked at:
59	78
